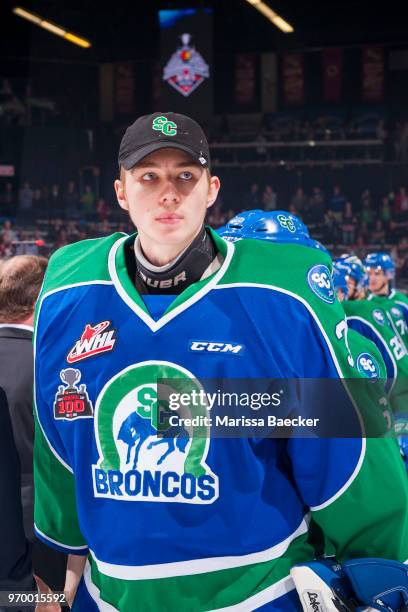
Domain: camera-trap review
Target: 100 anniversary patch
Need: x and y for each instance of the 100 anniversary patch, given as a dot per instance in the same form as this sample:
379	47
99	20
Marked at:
72	402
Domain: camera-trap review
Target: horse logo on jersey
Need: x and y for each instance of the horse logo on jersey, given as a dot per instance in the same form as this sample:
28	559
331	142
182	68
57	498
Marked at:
95	339
71	402
142	457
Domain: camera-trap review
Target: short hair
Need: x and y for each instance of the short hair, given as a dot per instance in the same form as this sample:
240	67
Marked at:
21	278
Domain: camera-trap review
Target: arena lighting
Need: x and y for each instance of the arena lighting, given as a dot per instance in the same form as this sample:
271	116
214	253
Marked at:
276	19
51	27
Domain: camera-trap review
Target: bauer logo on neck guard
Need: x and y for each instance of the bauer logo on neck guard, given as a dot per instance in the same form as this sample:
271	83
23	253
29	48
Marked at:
320	282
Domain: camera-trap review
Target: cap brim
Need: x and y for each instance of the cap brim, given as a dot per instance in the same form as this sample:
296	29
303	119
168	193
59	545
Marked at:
141	153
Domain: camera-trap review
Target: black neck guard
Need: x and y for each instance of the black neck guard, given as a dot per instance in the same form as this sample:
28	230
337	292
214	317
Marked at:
179	274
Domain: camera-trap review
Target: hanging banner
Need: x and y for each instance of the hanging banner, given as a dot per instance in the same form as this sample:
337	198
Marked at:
293	78
373	73
245	78
332	60
156	87
269	83
186	61
124	88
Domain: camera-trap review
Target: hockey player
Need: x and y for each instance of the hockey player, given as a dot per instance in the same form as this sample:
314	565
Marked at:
381	272
380	321
357	280
378	317
192	523
283	227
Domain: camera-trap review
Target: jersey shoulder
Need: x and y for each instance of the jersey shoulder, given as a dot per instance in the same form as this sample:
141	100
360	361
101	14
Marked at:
399	296
288	266
362	349
362	308
81	262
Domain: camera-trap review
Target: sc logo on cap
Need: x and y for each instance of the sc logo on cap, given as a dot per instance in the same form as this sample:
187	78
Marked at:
162	124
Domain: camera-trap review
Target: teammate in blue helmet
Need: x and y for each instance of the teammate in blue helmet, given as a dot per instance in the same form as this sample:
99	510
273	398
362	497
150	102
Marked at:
340	281
318	245
357	280
276	226
233	229
381	271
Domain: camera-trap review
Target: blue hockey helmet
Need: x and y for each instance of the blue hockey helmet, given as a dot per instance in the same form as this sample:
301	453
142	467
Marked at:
356	269
277	226
358	274
340	273
233	229
318	245
381	261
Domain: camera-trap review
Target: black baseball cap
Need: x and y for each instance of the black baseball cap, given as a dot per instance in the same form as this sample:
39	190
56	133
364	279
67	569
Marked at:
160	131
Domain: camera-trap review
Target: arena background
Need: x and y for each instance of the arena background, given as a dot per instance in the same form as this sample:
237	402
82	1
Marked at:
313	121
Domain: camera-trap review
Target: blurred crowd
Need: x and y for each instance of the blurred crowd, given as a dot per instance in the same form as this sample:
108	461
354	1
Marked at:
42	219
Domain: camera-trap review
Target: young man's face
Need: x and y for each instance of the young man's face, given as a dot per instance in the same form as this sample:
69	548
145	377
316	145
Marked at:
351	288
167	196
341	296
377	281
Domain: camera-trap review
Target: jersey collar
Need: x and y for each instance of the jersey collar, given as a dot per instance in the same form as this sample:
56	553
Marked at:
129	294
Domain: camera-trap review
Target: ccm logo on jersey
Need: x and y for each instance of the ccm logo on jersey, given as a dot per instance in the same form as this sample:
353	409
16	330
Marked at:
94	340
216	347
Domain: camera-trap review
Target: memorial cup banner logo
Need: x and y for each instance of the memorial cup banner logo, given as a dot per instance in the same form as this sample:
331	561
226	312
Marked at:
141	456
94	340
186	69
72	402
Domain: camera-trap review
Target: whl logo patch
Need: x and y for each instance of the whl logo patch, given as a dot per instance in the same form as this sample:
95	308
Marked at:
95	339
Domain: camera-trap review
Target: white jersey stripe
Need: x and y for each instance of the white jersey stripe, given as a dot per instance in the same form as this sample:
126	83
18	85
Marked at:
198	566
